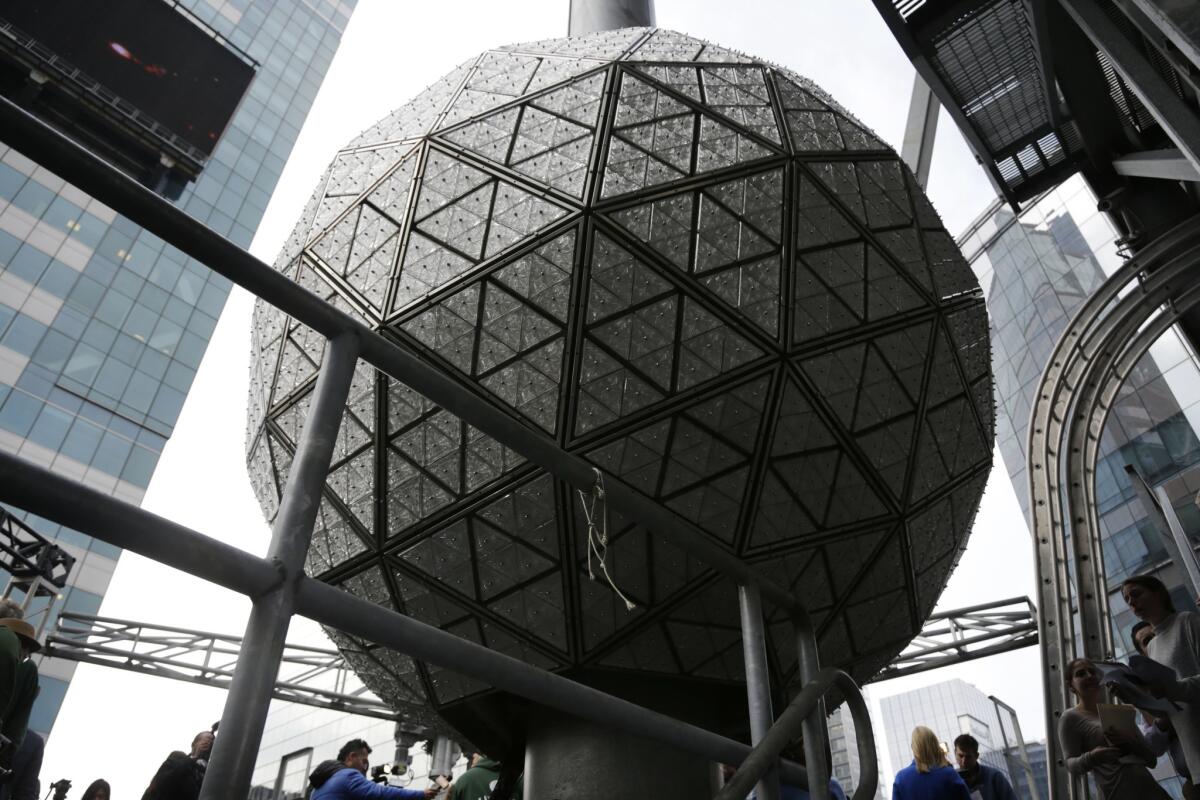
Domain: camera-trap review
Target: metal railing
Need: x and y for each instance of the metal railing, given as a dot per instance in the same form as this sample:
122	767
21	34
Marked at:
277	584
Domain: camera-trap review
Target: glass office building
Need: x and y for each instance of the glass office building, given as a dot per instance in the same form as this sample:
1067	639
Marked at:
103	325
949	709
1036	270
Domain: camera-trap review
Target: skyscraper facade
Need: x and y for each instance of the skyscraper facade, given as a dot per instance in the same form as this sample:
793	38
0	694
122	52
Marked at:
1036	270
102	324
949	709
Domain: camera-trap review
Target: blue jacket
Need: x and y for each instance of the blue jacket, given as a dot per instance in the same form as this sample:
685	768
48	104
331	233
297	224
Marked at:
992	784
941	783
350	784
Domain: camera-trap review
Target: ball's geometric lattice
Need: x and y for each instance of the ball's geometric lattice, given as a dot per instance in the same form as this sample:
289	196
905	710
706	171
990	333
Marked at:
695	270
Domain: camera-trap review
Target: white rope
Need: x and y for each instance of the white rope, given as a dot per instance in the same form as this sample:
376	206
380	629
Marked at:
598	536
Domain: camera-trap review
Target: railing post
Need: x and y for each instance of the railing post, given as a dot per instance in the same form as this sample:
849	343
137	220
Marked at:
814	724
758	681
249	695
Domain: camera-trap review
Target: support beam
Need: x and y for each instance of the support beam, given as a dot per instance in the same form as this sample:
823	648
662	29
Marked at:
249	699
965	634
1170	165
815	732
1175	117
920	130
593	16
758	681
62	500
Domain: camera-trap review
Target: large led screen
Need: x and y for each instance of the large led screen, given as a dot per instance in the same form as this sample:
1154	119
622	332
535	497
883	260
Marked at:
146	52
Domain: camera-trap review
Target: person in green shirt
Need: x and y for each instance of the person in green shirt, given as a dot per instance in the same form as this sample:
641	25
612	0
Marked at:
480	781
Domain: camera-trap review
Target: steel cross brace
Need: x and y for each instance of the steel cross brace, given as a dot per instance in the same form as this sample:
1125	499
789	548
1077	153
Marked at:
1094	355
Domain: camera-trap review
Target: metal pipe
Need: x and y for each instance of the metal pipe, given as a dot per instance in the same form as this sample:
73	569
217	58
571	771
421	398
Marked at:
245	715
920	131
71	504
331	606
794	717
61	500
72	163
815	732
594	16
758	682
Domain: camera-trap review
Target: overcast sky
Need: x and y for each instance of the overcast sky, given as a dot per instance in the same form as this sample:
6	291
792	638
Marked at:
120	725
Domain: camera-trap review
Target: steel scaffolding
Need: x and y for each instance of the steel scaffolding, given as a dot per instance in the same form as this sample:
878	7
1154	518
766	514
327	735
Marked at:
277	584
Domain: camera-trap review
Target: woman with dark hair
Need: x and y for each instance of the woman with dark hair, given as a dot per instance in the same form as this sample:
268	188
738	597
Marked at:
1087	747
1176	644
98	790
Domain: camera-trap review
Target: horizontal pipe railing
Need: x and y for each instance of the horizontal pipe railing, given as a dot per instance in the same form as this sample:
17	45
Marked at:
788	727
109	185
62	500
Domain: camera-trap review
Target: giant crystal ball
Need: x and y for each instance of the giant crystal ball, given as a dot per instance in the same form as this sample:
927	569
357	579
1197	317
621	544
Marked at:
698	272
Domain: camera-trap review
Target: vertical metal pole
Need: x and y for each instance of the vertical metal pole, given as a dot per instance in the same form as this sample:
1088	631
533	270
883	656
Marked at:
443	756
814	725
1035	793
1157	506
592	16
758	681
249	697
917	149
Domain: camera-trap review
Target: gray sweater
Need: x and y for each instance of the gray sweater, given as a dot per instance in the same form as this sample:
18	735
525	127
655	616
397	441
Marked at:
1078	733
1176	644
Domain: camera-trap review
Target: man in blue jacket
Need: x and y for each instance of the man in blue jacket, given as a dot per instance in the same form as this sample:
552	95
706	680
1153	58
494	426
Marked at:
988	782
346	778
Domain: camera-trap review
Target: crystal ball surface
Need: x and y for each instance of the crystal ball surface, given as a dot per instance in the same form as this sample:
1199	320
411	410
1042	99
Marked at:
690	267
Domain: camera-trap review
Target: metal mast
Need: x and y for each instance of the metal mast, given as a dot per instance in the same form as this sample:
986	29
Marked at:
591	16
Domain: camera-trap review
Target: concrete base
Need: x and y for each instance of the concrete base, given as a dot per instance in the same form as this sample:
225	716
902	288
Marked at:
567	758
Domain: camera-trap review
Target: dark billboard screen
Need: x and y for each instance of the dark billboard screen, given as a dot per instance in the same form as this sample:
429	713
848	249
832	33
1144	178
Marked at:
146	52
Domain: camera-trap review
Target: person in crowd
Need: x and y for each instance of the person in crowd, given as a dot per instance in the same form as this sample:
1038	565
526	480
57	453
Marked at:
346	778
182	774
929	776
1160	736
485	779
1088	747
97	790
1176	644
18	678
25	783
989	782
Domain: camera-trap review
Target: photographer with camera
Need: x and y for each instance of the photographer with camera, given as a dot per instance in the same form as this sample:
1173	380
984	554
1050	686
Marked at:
346	779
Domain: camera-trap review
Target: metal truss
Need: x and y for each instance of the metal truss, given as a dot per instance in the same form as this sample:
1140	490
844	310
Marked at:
964	634
308	675
1110	333
277	584
37	567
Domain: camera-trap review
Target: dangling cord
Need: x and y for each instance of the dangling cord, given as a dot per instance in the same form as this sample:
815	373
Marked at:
598	537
